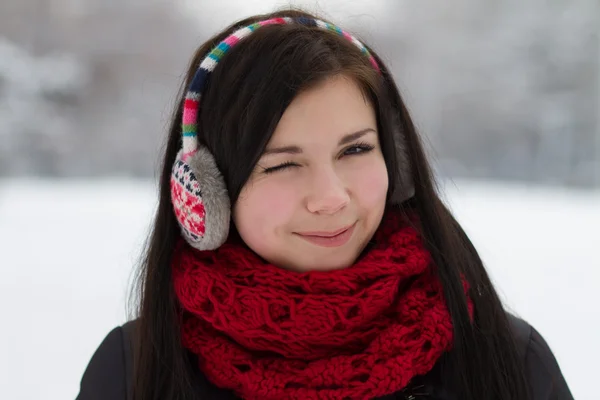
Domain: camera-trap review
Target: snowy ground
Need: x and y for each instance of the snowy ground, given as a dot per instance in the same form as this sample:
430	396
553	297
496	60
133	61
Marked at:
67	251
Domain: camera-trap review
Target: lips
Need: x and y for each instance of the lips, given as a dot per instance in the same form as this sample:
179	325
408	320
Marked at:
334	238
326	234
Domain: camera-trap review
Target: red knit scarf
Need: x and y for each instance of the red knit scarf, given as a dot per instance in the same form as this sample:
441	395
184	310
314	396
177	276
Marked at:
356	333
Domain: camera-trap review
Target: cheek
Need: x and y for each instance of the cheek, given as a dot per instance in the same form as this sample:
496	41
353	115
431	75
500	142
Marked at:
263	208
369	183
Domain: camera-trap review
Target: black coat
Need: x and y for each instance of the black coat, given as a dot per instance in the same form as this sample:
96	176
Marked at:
108	375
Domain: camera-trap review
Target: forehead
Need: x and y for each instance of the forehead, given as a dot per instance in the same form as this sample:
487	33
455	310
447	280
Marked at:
328	111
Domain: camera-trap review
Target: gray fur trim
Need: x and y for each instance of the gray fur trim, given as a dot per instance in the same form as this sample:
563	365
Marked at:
405	187
215	197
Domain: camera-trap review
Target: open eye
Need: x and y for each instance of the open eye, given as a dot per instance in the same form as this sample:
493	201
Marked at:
358	148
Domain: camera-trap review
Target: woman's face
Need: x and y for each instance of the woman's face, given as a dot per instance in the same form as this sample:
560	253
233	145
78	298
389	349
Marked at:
318	193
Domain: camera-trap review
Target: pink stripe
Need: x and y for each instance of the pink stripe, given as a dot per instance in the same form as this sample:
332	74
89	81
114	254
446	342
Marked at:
232	40
374	63
190	116
272	21
347	35
188	155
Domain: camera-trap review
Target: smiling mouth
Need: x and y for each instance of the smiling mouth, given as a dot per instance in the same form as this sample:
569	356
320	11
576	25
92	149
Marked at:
335	238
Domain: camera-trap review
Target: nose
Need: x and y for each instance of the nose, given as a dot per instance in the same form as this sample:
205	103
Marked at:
328	193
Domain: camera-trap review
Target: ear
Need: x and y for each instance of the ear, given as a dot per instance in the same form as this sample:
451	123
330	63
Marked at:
200	200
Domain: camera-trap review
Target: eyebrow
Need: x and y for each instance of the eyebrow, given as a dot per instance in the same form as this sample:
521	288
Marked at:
297	150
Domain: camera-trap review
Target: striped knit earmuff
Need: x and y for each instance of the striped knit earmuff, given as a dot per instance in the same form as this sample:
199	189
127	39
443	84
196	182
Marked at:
198	191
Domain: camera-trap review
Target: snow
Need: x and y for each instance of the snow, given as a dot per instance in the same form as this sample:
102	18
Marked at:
68	250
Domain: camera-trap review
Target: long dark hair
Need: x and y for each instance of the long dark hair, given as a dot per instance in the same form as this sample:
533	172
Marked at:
240	109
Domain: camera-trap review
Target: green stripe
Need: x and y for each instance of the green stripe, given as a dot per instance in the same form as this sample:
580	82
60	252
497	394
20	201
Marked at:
218	53
189	128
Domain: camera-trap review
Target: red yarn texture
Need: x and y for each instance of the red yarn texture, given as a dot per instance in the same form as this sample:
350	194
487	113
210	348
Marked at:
356	333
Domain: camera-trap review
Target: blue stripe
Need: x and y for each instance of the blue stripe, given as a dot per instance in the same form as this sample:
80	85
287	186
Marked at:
223	47
199	79
306	21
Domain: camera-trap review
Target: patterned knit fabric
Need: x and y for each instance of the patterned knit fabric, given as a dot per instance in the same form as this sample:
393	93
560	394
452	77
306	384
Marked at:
356	333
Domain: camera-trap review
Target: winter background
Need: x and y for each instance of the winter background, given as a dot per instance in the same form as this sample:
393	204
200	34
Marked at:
506	93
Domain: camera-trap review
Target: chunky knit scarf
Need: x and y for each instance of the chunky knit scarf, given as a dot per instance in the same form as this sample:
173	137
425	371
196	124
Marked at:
356	333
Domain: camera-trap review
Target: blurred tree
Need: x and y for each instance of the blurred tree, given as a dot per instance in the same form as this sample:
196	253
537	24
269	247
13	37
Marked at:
506	90
502	90
91	85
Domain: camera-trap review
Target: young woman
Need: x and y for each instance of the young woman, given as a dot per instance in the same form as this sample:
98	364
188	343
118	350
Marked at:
300	250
